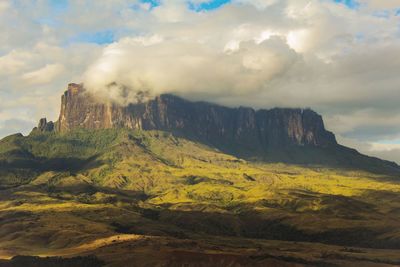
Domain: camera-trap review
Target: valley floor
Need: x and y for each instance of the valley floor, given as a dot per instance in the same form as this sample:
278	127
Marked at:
140	250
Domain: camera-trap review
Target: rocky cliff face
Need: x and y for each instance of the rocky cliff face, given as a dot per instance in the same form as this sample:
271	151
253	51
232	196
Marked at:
227	128
275	135
81	110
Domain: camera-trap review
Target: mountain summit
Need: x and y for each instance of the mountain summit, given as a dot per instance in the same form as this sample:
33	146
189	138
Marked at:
278	135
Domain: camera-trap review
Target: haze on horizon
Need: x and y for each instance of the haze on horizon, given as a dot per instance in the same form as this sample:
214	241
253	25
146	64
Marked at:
338	57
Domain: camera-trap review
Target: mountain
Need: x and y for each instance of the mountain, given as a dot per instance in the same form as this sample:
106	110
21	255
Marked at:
200	120
276	135
151	184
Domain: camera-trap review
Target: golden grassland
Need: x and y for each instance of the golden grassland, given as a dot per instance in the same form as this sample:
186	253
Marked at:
135	193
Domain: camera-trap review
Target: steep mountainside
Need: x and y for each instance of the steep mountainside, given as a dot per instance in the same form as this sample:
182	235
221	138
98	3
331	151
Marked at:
275	135
205	121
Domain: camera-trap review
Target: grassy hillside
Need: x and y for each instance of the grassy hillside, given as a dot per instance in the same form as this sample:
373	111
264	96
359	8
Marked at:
62	193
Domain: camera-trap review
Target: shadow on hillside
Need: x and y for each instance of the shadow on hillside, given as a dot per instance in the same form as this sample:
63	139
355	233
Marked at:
85	193
71	164
34	261
253	225
280	222
337	156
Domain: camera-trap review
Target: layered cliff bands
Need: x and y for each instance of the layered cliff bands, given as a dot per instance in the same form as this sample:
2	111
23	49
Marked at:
198	120
277	135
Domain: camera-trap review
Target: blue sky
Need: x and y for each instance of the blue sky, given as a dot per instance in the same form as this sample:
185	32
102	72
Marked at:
203	6
59	4
349	3
101	37
209	5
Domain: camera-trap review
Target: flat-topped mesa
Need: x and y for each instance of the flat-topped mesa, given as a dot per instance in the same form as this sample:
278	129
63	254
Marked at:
80	109
210	123
275	135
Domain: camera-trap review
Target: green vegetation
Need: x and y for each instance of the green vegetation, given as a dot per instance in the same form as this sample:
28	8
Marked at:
63	191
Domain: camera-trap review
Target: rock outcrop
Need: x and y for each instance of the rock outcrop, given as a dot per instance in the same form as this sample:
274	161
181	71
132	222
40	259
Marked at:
44	126
203	121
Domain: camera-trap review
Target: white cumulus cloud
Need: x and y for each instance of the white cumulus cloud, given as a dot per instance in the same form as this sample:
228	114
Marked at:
43	75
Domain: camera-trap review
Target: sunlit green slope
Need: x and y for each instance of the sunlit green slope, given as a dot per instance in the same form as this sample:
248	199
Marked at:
62	190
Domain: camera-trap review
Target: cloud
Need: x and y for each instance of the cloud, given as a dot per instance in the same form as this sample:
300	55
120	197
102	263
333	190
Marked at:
4	5
389	152
13	62
384	147
172	12
340	61
382	4
43	75
133	66
31	83
261	4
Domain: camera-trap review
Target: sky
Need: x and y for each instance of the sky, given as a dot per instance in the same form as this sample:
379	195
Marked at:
338	57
